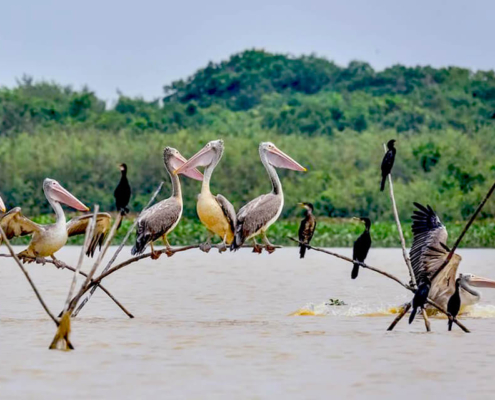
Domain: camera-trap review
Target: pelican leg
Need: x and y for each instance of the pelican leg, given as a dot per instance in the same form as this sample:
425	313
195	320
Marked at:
256	247
223	246
58	263
155	255
206	246
427	321
268	246
168	249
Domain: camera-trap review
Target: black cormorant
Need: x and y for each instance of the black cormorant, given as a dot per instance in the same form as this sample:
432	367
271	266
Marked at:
454	304
122	192
306	228
420	297
388	162
361	247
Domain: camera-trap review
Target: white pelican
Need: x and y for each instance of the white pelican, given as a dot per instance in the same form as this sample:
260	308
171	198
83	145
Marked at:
161	219
428	253
215	212
48	239
257	216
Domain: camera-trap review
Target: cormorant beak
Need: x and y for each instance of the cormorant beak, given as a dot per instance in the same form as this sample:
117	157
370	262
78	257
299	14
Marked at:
64	196
279	159
2	206
202	158
301	205
178	161
479	281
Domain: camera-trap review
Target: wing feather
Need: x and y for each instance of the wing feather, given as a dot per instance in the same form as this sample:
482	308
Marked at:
14	224
228	210
78	225
256	214
429	233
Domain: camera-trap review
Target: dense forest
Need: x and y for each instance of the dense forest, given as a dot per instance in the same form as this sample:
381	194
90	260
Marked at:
332	119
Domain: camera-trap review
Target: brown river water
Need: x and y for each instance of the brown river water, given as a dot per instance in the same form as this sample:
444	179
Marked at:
211	326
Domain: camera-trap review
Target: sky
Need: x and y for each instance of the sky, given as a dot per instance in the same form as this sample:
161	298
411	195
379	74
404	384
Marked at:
137	47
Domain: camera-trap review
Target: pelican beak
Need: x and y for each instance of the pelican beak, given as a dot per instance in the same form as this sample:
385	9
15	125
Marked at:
2	206
201	159
64	196
180	161
281	160
479	281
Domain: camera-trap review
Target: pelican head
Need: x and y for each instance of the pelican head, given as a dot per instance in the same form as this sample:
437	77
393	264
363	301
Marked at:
390	144
210	154
2	206
55	192
278	158
477	281
174	160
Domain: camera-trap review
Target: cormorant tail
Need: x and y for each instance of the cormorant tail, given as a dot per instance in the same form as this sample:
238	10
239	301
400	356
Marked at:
355	271
451	321
302	250
382	186
413	314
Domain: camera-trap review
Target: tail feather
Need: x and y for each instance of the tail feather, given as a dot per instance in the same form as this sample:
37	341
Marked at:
302	250
238	239
413	314
382	186
140	245
355	271
451	321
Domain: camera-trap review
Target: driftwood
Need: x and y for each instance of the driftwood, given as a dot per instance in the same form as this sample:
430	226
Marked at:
399	227
119	249
69	268
390	276
61	337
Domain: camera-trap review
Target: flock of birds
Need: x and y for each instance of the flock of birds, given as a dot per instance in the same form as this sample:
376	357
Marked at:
217	214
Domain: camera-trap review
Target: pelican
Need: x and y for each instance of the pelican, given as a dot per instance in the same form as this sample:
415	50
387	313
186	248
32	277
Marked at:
215	212
46	240
257	216
429	252
161	219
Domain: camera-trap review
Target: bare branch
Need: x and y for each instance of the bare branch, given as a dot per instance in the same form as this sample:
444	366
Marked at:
399	227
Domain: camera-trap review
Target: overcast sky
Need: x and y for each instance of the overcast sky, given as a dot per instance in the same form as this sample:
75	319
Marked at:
138	46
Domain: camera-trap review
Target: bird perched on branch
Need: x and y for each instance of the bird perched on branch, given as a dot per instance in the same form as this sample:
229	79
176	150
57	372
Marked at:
420	297
122	192
388	162
306	228
361	246
454	304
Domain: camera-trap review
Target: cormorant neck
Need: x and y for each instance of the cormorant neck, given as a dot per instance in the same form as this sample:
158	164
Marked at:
272	173
123	173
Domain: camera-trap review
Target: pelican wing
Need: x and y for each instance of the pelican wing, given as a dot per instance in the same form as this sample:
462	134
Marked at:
428	232
228	210
443	286
256	214
78	225
14	224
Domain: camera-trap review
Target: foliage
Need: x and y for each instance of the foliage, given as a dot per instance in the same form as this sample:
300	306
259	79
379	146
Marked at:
332	119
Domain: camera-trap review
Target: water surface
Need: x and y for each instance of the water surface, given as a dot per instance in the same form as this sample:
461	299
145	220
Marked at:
219	326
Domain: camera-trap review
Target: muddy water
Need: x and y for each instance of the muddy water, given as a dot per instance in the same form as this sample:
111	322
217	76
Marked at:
219	326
